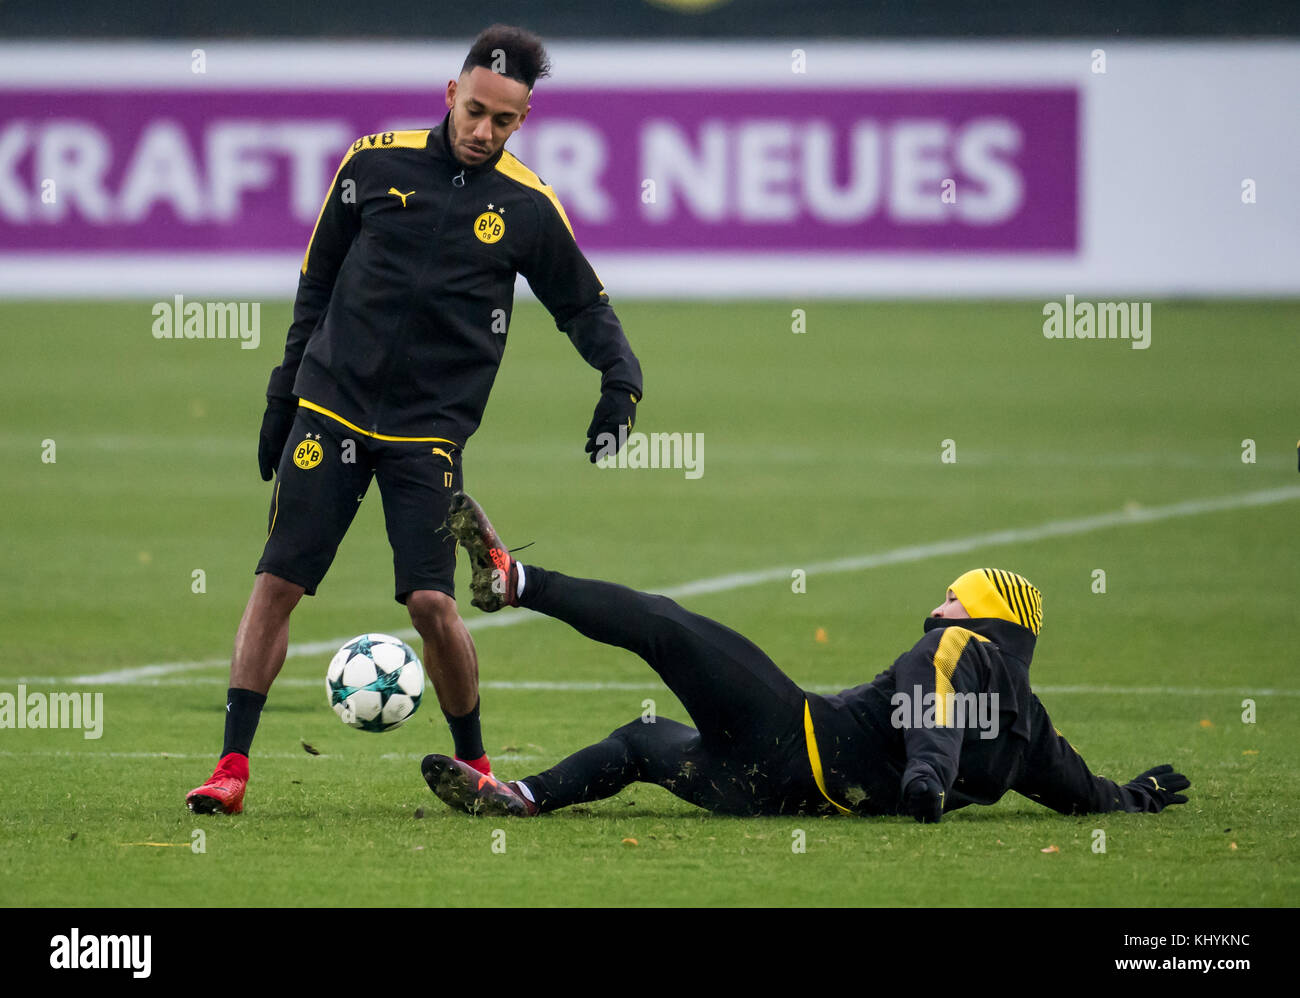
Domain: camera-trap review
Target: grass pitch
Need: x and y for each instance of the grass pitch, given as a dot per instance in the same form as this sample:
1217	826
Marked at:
819	446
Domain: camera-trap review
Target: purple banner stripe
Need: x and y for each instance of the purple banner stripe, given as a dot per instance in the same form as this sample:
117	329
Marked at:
931	169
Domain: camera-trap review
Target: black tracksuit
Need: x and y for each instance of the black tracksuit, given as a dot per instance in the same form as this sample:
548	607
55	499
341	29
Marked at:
750	752
408	283
399	327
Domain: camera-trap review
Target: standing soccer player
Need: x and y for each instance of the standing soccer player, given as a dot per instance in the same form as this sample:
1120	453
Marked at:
399	327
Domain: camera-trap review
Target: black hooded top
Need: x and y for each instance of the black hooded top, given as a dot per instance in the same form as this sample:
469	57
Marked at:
990	735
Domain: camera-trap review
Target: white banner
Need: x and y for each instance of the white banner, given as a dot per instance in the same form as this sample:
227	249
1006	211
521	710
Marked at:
1186	182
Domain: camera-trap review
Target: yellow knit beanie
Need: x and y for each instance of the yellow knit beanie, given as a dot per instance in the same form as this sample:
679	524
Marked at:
991	592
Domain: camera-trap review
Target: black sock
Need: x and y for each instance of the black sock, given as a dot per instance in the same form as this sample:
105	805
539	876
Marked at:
590	774
534	582
243	711
466	734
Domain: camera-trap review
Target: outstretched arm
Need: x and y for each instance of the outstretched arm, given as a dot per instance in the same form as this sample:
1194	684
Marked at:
1056	776
565	283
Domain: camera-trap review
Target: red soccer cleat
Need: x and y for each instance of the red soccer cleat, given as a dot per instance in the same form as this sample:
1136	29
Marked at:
461	786
495	579
224	791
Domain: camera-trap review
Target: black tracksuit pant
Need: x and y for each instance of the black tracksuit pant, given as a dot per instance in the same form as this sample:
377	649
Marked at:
747	753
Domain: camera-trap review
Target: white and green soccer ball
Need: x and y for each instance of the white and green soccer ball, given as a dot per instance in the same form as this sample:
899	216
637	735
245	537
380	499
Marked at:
375	682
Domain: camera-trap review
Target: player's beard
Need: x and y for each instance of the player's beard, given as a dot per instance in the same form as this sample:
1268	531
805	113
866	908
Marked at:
457	148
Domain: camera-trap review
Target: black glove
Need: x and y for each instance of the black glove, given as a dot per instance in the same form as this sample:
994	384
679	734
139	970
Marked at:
923	800
276	425
615	414
1157	788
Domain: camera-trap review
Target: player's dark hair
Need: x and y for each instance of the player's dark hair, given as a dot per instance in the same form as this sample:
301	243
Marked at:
510	51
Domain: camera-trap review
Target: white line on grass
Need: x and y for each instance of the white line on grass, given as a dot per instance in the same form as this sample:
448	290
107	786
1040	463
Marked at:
585	686
386	757
740	580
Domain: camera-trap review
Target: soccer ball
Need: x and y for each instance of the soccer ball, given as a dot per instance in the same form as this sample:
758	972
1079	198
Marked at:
375	682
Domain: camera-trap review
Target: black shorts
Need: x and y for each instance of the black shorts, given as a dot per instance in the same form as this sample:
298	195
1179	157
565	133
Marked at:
324	473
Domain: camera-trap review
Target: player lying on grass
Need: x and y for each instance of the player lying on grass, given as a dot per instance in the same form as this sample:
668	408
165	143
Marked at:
762	745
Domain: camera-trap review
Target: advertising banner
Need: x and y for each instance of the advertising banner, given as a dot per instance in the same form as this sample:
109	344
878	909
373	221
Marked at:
859	170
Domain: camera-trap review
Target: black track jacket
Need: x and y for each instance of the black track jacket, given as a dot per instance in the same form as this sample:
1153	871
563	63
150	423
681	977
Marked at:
407	287
871	746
